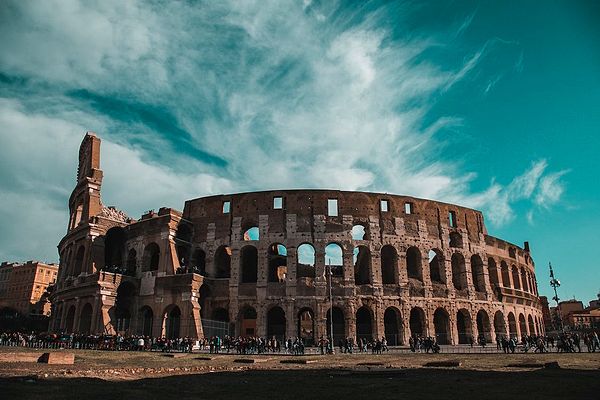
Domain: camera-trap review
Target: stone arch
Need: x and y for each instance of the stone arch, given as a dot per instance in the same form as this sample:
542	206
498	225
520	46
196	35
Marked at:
389	265
493	272
172	322
145	321
512	325
463	326
85	319
359	232
477	273
203	295
114	248
78	265
248	264
414	263
183	243
505	274
252	233
437	266
306	325
222	262
532	329
417	322
364	323
522	325
334	257
131	262
247	319
441	323
276	323
524	280
392	321
499	325
124	305
484	328
515	276
362	265
305	267
339	323
277	256
151	257
69	321
459	272
198	262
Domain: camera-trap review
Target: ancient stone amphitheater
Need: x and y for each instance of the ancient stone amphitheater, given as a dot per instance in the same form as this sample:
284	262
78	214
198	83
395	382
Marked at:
284	263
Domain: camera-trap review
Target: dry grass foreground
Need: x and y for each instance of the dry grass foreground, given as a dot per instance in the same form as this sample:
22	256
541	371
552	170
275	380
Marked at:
116	375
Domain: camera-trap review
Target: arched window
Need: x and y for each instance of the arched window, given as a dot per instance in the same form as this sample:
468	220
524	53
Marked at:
477	273
524	280
505	274
183	241
362	265
515	275
441	323
389	265
252	233
131	262
437	266
358	232
334	258
114	248
413	263
493	273
151	257
277	262
249	264
222	261
78	267
459	273
306	261
198	262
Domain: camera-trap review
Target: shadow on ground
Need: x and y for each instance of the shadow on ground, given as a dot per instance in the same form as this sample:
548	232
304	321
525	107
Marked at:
321	384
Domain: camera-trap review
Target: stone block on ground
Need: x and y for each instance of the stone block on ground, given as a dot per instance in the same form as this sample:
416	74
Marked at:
19	357
448	363
57	358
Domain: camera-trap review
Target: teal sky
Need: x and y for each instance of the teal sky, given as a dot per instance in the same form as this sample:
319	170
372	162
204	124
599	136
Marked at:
493	105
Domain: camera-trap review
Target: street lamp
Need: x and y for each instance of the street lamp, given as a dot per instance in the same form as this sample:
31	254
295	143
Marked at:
330	273
555	283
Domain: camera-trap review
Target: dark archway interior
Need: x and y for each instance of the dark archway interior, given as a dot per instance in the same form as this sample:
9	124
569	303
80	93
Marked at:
114	247
441	323
249	264
364	324
223	262
362	266
276	323
392	326
389	261
413	263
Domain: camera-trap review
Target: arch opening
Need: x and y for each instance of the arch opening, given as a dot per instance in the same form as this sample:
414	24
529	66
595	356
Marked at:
249	264
417	322
151	257
459	272
441	323
477	273
277	262
114	249
499	325
484	330
437	266
389	265
305	267
362	265
413	264
306	326
276	323
463	326
392	322
364	323
334	257
339	324
222	262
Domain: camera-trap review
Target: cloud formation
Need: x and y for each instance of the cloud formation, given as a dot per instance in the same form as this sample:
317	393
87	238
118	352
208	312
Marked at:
192	100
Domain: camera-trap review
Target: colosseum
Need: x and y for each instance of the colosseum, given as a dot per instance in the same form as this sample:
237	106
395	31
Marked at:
289	263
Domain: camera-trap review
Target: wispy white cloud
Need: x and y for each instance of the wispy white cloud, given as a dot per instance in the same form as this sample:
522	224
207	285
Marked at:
289	94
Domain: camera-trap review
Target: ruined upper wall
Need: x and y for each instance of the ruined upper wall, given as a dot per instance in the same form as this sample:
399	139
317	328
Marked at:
305	204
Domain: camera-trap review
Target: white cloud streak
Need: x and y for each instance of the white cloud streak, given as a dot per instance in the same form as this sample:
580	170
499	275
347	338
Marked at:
291	95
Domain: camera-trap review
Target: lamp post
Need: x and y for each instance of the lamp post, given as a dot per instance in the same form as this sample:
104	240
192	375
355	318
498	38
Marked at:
330	273
555	283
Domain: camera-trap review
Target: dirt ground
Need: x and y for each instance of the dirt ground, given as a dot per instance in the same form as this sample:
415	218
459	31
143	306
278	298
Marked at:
115	375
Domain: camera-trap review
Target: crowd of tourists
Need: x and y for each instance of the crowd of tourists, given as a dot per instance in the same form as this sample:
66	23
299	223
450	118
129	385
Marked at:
423	344
564	343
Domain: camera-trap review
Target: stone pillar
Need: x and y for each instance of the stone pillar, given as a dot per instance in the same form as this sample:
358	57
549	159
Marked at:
291	319
378	320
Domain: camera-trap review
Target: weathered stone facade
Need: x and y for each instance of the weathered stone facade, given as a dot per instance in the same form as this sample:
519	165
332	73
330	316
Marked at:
400	266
